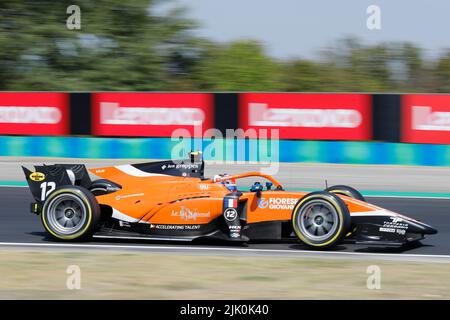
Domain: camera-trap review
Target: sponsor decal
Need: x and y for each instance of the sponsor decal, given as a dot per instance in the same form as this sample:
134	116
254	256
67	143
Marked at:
425	118
34	113
395	225
176	227
124	224
261	115
41	115
390	230
187	214
263	203
183	166
396	219
230	214
308	116
231	203
37	176
151	114
204	187
277	203
393	230
396	222
111	113
187	166
129	196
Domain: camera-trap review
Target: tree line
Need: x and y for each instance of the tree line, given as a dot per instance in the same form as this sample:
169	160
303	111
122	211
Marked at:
129	45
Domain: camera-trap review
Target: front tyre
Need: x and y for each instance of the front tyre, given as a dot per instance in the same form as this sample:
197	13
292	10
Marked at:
70	213
346	191
321	219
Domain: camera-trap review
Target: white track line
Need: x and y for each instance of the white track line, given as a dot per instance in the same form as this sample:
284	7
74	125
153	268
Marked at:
11	186
191	248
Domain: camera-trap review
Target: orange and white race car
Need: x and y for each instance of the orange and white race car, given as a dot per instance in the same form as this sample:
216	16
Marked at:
172	200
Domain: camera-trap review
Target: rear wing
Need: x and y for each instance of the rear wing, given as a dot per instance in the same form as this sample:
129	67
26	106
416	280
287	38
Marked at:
46	178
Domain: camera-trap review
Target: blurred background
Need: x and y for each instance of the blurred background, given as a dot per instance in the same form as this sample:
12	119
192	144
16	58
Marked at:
362	84
359	97
225	46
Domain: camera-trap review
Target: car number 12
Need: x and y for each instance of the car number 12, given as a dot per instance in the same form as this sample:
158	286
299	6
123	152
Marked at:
46	189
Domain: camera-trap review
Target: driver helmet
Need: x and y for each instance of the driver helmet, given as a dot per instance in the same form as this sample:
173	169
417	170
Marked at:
230	184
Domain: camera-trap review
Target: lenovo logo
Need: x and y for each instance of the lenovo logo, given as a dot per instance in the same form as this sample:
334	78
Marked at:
261	115
38	115
111	113
424	118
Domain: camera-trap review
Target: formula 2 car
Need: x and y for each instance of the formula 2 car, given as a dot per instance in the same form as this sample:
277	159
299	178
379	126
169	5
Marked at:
172	200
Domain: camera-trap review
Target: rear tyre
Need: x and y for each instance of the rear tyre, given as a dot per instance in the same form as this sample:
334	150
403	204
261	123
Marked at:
70	213
321	219
346	191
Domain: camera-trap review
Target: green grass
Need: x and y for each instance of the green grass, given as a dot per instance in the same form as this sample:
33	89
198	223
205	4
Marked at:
27	274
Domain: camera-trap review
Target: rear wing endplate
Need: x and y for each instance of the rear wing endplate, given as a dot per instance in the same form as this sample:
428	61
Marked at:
46	178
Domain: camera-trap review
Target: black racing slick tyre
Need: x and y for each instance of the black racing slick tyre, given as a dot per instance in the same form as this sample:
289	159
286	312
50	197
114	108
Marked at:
70	213
320	219
346	191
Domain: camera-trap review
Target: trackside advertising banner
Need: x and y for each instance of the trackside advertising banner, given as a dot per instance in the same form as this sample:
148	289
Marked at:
34	113
308	116
425	118
151	114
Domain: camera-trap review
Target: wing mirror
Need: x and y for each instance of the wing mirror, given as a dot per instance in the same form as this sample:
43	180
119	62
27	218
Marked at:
269	185
257	187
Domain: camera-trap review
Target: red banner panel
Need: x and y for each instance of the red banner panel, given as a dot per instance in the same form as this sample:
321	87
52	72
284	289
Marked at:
34	113
308	116
151	114
426	118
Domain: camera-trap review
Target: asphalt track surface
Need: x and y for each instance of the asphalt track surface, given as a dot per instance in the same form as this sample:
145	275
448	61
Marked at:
18	227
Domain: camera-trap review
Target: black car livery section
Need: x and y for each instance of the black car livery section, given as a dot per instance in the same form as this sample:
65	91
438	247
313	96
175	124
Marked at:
388	230
46	179
194	167
48	182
